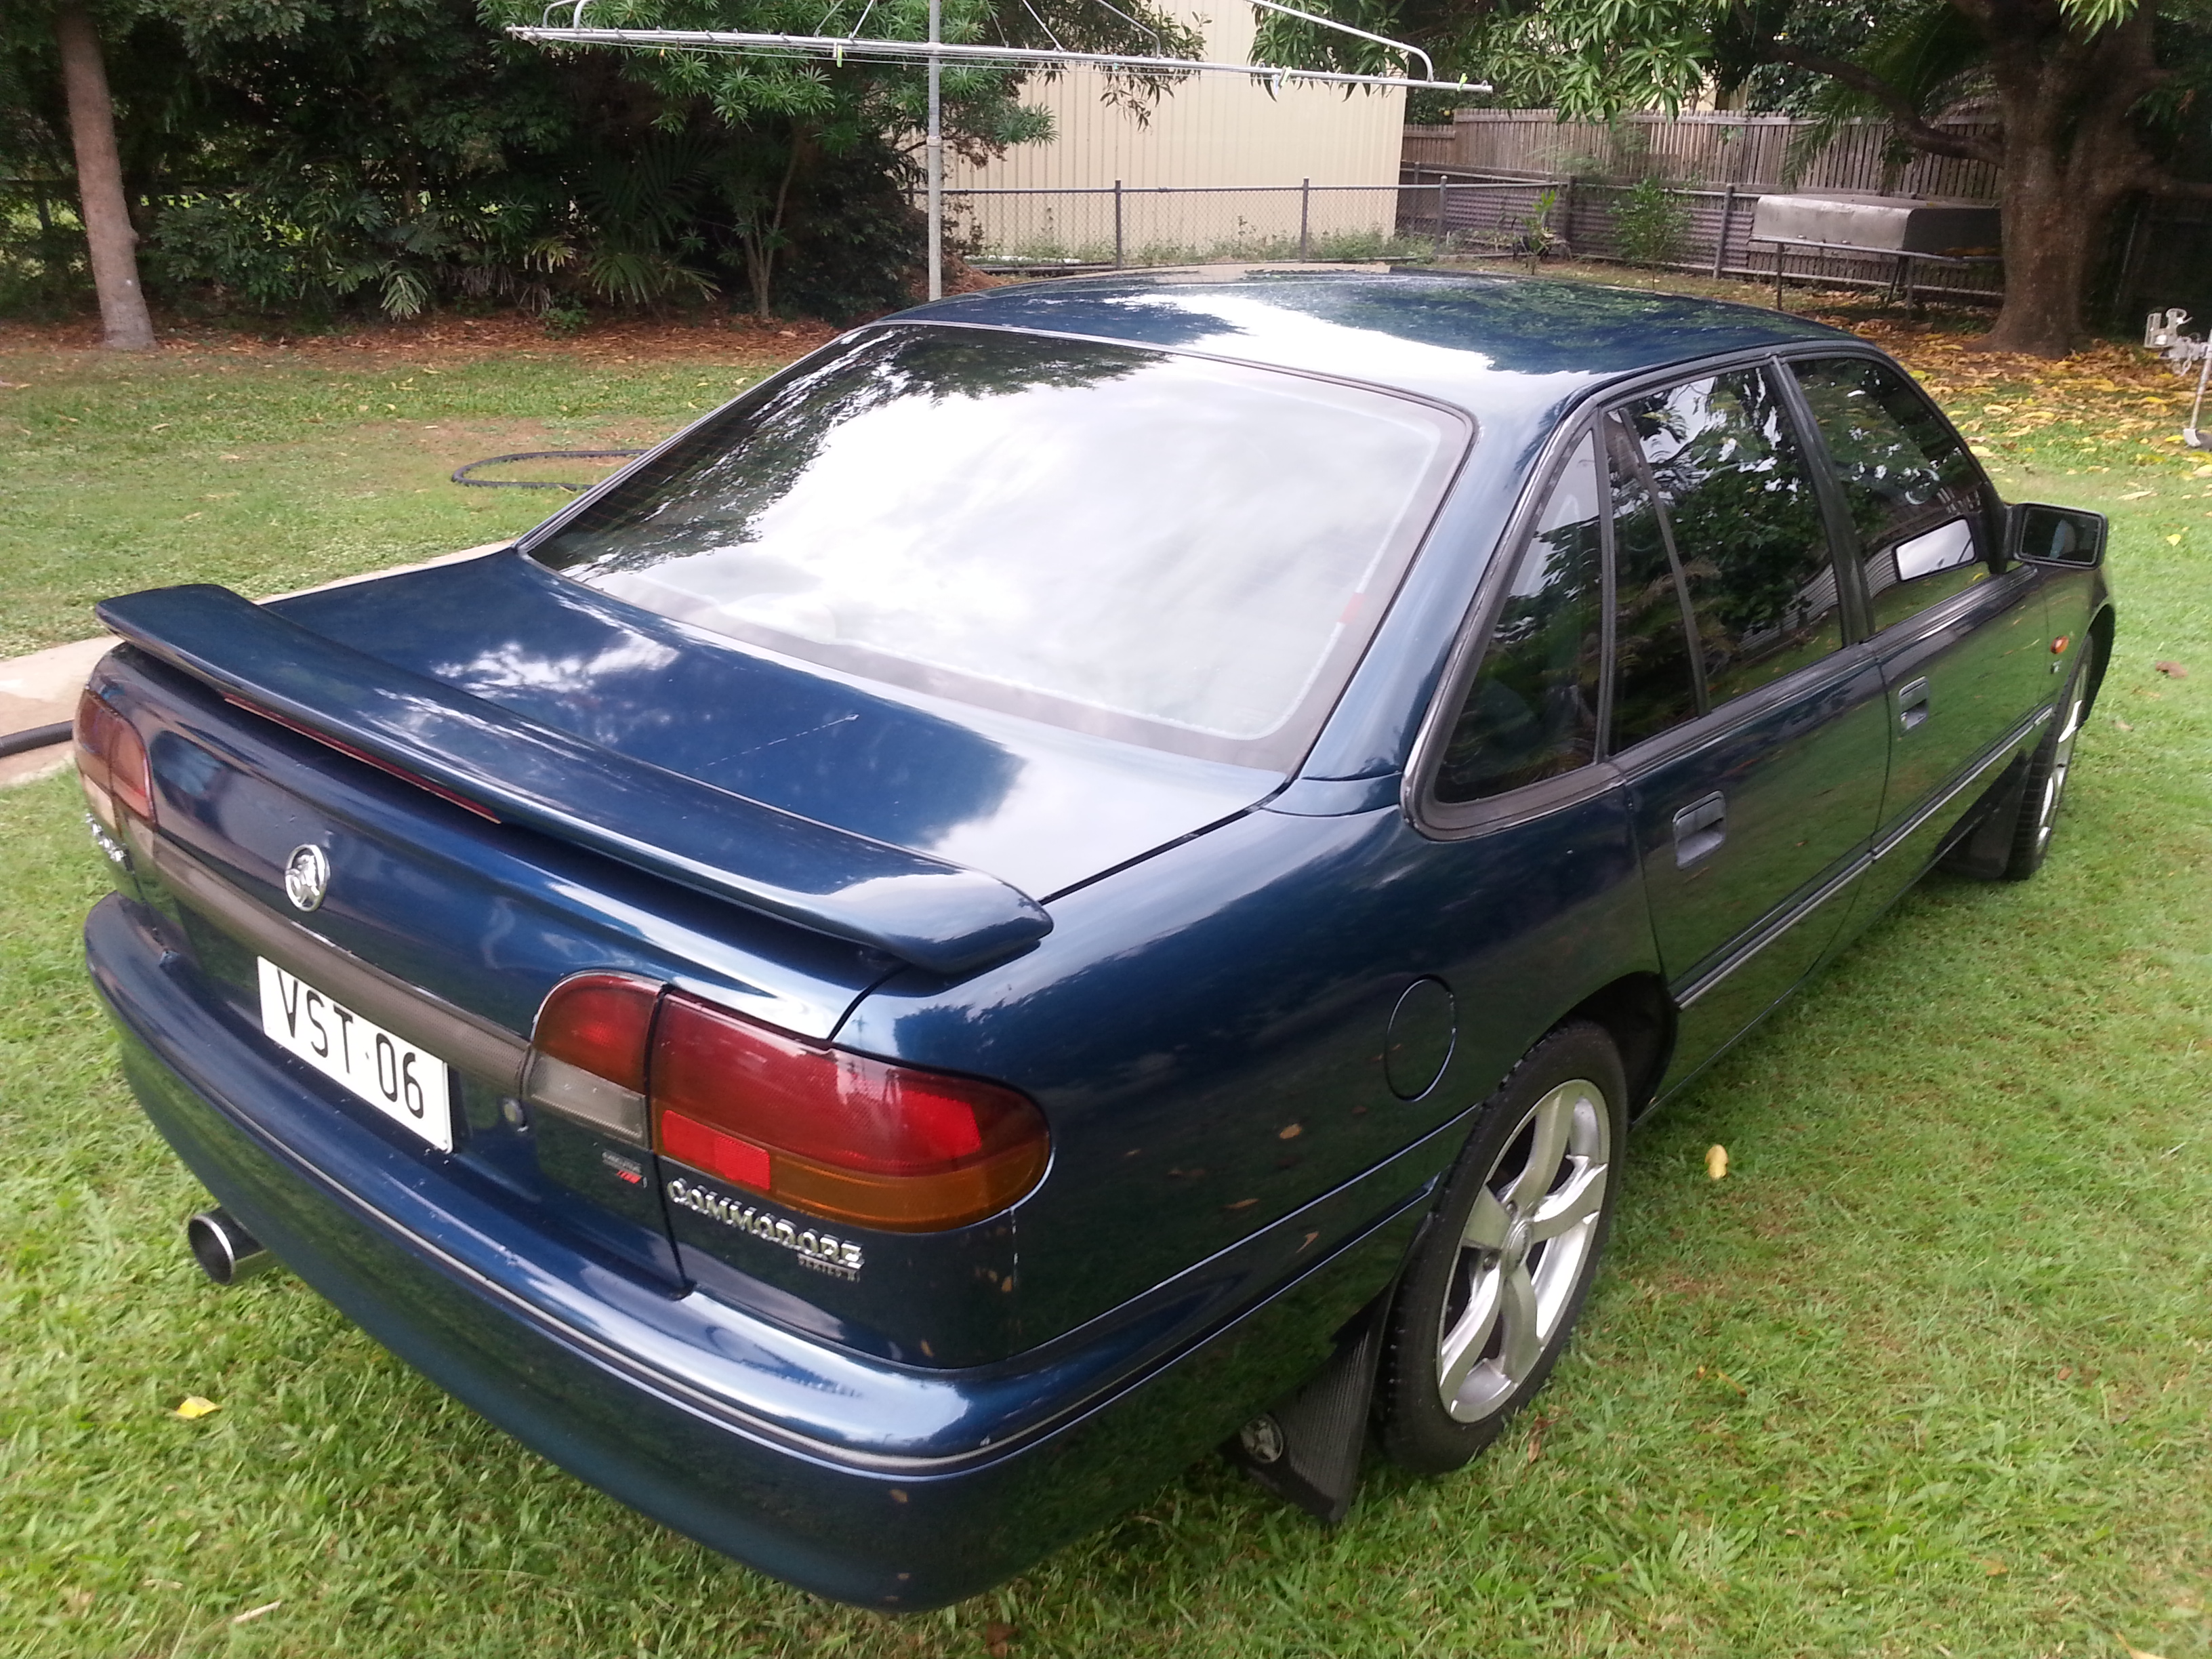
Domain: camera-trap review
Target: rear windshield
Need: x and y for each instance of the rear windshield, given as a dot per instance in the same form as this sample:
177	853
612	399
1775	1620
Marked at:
1154	547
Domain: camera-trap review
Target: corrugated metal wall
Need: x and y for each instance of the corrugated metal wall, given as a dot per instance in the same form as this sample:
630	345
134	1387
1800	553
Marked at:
1210	131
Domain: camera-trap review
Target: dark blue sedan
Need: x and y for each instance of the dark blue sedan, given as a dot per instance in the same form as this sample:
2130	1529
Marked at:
1094	871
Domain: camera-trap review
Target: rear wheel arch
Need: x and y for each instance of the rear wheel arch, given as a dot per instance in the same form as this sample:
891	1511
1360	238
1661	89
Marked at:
1637	1013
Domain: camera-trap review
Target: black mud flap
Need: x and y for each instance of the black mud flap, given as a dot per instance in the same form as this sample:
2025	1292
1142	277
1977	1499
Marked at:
1307	1448
1981	848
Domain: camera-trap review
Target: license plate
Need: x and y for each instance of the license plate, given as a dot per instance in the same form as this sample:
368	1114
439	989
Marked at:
406	1084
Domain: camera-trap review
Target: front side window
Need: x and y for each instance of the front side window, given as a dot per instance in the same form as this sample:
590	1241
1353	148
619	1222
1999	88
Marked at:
1914	493
1747	528
1157	547
1532	711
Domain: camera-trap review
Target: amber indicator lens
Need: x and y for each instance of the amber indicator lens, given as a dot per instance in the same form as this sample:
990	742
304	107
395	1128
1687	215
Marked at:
839	1134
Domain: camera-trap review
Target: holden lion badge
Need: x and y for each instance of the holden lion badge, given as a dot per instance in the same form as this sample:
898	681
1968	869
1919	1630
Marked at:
307	877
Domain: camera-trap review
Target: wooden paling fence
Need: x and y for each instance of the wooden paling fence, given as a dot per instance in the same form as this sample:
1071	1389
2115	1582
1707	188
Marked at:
1751	152
1471	213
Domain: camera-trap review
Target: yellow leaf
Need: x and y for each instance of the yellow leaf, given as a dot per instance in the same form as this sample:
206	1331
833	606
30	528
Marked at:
2137	1653
2173	541
193	1406
1717	1161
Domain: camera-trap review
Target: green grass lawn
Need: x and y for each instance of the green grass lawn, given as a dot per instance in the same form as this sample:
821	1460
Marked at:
1929	1373
266	470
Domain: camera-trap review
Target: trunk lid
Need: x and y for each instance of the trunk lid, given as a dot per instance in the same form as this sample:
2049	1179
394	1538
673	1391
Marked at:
1040	808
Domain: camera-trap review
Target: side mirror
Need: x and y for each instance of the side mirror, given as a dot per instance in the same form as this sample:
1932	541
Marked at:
2054	535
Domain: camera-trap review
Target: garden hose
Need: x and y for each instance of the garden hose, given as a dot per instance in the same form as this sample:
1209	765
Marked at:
461	473
37	737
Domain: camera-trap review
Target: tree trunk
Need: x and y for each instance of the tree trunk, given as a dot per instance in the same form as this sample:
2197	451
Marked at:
2070	156
99	182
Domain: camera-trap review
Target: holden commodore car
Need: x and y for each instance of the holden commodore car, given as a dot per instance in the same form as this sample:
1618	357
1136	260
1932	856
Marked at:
1093	870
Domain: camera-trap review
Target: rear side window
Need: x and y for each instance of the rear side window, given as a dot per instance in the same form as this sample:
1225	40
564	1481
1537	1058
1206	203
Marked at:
1532	711
1655	672
1746	526
1914	493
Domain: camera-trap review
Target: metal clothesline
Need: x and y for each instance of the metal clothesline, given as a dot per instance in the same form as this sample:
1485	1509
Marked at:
936	51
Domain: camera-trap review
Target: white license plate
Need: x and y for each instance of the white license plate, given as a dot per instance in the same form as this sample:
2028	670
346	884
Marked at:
406	1084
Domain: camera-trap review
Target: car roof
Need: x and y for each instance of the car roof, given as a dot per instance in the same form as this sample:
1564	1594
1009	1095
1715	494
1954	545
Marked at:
1485	343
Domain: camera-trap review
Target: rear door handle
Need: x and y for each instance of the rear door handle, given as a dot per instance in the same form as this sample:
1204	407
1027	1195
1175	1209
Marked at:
1699	830
1912	703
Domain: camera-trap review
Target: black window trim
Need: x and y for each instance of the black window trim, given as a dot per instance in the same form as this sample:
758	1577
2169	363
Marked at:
1844	533
1443	820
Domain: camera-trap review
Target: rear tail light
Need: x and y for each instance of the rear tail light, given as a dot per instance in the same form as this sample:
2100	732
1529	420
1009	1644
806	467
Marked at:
839	1135
588	1052
111	763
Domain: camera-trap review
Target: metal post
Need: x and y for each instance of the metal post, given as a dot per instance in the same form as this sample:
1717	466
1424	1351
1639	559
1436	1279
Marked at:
1117	225
1305	213
935	151
1727	223
1777	275
1442	185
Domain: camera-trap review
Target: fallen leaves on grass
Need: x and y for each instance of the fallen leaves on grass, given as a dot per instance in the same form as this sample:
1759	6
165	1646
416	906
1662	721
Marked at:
195	1406
252	1614
2172	671
1716	1163
2105	399
999	1640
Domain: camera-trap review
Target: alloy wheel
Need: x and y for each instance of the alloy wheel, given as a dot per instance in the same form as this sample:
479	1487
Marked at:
1527	1242
2062	758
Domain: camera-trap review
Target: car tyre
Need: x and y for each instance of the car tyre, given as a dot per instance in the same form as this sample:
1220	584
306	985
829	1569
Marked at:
1501	1271
2044	790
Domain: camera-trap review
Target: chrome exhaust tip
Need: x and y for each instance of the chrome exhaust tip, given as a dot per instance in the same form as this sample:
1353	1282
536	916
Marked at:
226	1251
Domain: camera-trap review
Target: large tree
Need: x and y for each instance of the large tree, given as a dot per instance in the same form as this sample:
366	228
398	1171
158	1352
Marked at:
2093	98
112	242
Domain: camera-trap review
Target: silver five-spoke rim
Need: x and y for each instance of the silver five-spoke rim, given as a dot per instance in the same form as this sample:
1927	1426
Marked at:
1526	1243
2054	786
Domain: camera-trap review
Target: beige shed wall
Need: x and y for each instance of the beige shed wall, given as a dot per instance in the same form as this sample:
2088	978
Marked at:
1209	130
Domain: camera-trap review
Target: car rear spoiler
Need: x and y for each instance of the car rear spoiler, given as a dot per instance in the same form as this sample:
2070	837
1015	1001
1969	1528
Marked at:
917	908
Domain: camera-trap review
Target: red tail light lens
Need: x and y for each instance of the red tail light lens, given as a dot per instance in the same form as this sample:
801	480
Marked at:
600	1022
838	1134
111	763
588	1052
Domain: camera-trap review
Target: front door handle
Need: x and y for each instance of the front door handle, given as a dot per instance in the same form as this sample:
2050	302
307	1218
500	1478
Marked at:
1912	703
1699	830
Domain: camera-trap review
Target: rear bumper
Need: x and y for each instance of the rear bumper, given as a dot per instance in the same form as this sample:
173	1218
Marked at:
849	1477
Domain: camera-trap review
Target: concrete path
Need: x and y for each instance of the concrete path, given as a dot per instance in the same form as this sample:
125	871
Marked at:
42	688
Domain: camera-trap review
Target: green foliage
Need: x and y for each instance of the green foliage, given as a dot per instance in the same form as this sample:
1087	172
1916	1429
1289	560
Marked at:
1650	222
302	156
